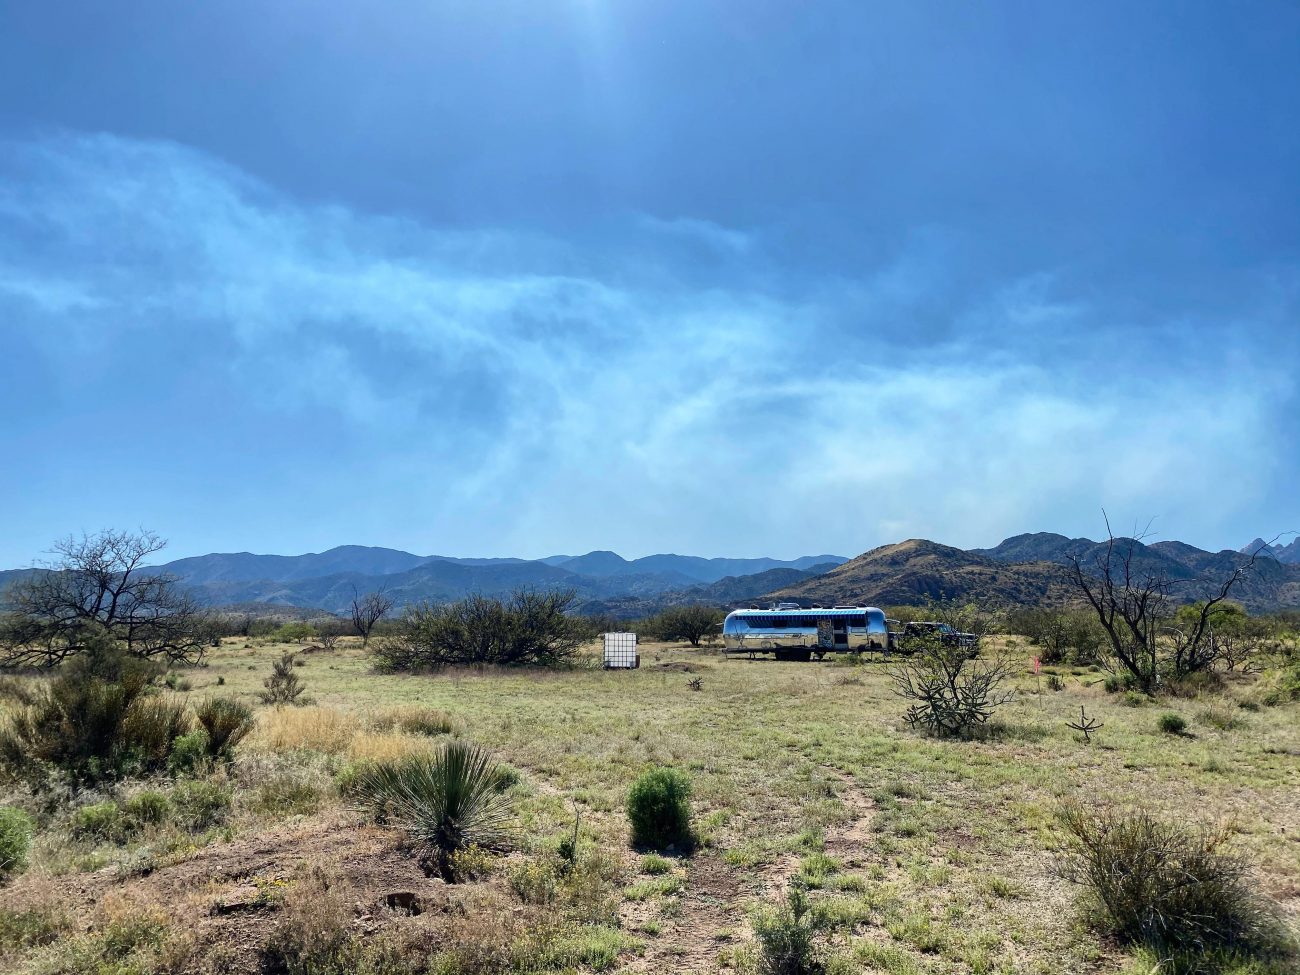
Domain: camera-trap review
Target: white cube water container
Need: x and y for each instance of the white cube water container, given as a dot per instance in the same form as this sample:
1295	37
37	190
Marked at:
620	651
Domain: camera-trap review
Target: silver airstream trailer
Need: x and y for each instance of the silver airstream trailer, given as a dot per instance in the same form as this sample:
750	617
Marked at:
791	632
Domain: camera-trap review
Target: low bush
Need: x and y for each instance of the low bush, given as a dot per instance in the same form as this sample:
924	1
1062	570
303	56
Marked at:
536	881
659	809
99	719
528	629
1220	718
100	821
1166	887
200	803
147	808
189	754
1172	723
654	864
787	938
415	721
284	686
16	829
313	936
448	801
32	927
288	795
227	722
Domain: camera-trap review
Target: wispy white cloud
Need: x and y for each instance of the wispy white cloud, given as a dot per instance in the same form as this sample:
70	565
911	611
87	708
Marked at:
525	408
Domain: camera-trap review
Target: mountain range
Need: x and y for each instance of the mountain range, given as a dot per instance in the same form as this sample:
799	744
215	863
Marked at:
1028	569
1288	554
1032	569
329	580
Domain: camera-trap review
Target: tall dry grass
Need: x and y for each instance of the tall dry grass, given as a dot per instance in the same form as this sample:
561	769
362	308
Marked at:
333	732
315	729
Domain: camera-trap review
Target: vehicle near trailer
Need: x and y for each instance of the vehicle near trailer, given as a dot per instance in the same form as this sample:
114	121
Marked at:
791	632
947	635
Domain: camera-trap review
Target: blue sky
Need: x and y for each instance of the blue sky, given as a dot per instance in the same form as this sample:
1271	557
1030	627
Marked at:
762	278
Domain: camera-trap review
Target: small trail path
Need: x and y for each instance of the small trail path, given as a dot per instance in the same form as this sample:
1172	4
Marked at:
712	916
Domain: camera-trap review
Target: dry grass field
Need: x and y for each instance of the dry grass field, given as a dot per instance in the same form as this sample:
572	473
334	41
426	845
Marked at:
919	855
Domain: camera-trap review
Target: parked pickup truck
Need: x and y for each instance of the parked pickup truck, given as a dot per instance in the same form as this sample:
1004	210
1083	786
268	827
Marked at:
949	636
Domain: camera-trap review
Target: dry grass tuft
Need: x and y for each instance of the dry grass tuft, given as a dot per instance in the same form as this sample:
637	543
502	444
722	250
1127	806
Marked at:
387	747
316	729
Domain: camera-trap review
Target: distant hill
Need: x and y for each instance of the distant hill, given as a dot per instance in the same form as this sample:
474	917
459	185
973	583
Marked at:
915	570
1031	570
687	567
1027	569
329	580
1288	554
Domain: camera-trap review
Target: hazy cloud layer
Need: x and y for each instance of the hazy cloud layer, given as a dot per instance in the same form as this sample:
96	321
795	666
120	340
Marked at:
190	349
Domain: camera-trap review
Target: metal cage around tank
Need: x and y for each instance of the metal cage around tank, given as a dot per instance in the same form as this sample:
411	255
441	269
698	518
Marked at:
795	633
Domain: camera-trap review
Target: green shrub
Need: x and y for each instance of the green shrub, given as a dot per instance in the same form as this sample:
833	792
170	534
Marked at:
427	721
787	938
227	722
659	809
1166	887
1172	724
101	821
98	719
535	881
507	777
654	864
147	808
32	927
528	629
200	803
189	753
347	777
16	829
1133	699
283	686
449	801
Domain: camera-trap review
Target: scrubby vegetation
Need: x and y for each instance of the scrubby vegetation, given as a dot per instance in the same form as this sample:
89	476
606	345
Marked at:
451	802
15	838
659	809
798	824
528	629
99	719
1170	888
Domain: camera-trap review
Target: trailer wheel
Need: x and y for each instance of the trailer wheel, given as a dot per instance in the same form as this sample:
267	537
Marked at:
802	655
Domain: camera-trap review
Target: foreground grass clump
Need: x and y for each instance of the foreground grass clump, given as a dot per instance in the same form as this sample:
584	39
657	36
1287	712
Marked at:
1172	723
449	801
16	829
31	927
659	809
1167	888
787	938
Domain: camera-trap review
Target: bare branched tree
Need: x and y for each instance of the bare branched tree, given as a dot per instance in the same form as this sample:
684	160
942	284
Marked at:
1134	600
329	632
367	611
100	584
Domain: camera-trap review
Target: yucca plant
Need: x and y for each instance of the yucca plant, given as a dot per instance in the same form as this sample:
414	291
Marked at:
449	801
226	721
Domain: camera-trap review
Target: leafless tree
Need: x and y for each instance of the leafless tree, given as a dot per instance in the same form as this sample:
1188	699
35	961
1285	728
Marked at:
101	584
1134	602
329	632
368	610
